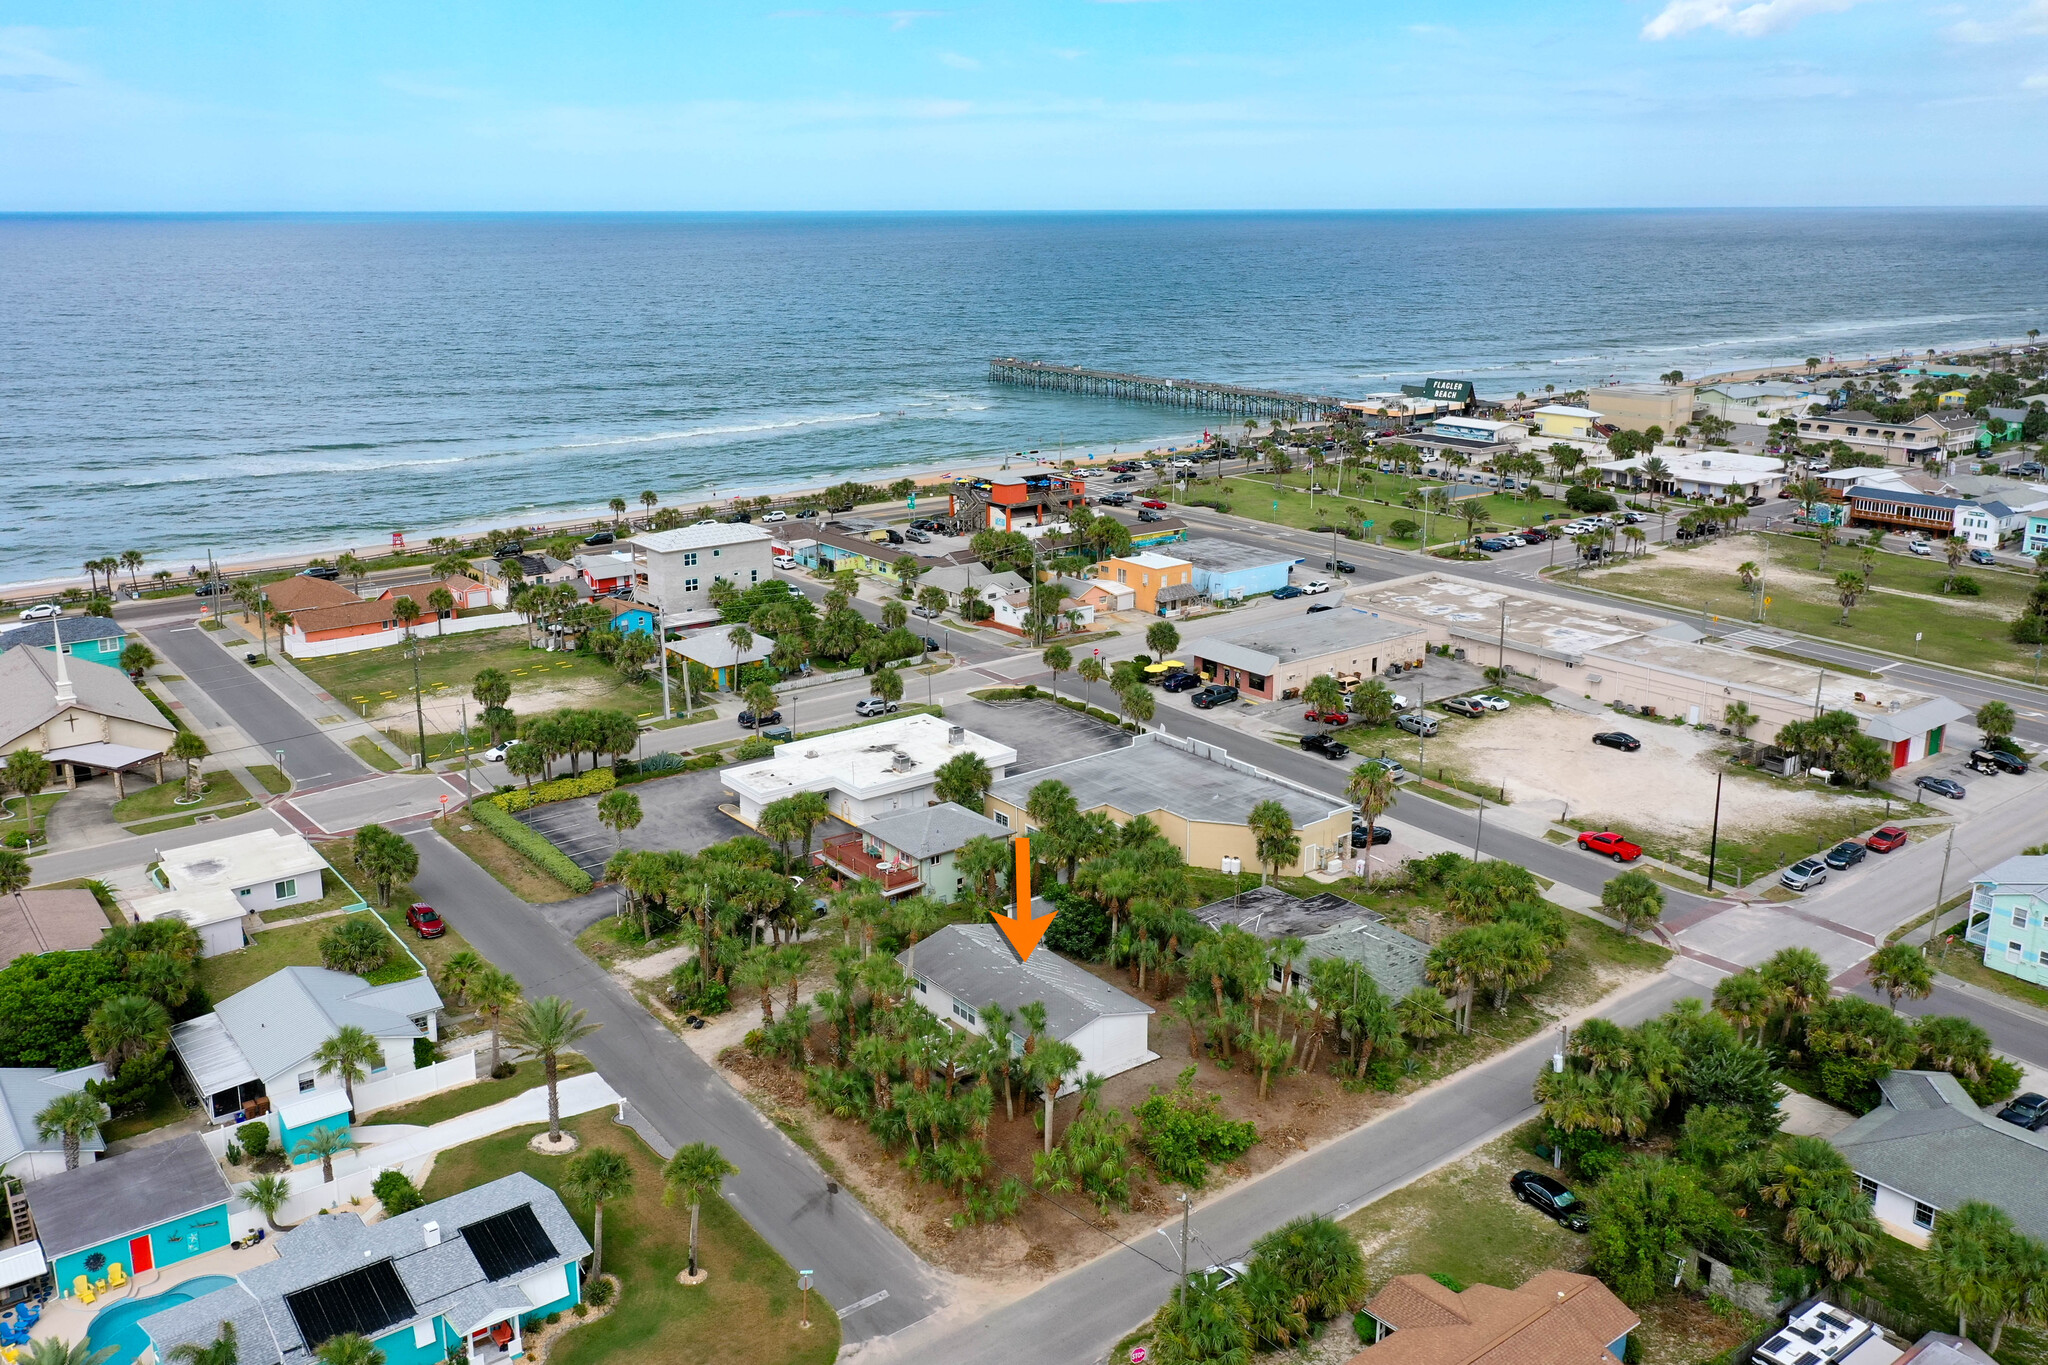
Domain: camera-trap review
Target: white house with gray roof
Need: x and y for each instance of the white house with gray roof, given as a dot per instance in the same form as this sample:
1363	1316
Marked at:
965	966
911	851
459	1279
26	1091
1928	1147
260	1042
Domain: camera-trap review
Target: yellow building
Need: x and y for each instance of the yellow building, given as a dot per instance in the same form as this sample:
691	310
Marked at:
1561	421
1200	798
1145	575
1638	407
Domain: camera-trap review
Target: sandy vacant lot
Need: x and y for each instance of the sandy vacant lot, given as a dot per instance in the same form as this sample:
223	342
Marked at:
1714	564
1546	758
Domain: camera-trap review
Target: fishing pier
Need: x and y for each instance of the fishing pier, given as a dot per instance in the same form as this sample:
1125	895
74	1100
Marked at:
1173	393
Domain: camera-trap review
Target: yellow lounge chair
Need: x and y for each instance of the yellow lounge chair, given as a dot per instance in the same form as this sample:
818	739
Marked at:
116	1275
84	1291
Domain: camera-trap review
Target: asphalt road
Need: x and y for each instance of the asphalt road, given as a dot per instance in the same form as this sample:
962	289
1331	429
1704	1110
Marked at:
779	1189
269	720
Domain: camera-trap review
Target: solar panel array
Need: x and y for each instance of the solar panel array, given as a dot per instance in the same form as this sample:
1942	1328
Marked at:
509	1242
363	1301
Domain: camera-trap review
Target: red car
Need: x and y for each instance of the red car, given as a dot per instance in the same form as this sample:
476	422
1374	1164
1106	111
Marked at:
426	921
1611	844
1153	503
1327	717
1886	839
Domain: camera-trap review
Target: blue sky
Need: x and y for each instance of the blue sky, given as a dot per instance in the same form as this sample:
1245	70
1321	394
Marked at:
147	105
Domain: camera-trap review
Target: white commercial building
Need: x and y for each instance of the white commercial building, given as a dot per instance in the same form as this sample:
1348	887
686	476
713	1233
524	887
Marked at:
1700	473
262	869
674	570
1475	431
966	966
864	773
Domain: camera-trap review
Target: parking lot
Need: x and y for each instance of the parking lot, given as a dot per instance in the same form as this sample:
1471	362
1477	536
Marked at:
679	812
1042	733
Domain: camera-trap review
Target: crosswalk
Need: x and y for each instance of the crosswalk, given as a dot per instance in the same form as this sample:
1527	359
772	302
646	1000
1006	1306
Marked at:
1762	639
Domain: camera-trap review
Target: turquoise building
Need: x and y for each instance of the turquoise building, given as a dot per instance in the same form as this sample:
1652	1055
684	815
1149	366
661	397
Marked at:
140	1211
458	1280
628	617
96	639
2009	918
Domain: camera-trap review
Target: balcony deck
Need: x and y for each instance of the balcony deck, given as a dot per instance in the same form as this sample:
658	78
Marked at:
848	854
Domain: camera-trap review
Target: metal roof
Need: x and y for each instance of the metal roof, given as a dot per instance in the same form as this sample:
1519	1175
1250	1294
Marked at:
1929	1141
976	966
210	1055
1270	645
1904	496
1184	777
2017	873
125	1194
282	1019
1229	556
699	537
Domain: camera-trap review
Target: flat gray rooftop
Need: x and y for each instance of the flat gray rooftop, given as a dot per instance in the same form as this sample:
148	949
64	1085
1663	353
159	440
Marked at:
1187	778
1273	913
1294	638
1225	556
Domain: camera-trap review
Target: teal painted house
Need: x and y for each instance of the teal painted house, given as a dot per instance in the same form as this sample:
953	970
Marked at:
143	1210
96	639
629	617
2009	918
458	1280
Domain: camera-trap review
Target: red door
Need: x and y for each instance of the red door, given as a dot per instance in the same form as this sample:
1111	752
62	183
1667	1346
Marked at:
1901	752
139	1257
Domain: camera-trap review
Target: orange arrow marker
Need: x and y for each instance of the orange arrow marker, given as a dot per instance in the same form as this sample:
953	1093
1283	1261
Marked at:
1023	931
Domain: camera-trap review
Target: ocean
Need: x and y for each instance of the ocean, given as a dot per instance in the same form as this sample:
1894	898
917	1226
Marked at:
250	384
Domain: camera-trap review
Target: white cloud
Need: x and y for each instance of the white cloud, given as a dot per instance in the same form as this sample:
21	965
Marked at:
27	66
1753	20
2029	18
2037	81
959	62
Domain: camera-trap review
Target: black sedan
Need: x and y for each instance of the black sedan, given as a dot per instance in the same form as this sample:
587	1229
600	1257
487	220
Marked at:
1340	566
1848	853
1180	682
1320	743
1320	606
749	721
1375	836
1552	1198
1615	739
2029	1111
1941	786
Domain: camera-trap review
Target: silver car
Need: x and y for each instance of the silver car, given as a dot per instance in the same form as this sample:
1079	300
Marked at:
1805	874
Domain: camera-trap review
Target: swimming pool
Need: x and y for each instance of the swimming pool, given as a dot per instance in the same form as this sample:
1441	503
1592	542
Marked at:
119	1325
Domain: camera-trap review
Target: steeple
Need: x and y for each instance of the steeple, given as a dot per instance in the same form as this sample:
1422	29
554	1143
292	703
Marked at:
65	693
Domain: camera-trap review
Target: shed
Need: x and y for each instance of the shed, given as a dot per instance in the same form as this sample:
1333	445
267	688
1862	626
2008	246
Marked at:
213	911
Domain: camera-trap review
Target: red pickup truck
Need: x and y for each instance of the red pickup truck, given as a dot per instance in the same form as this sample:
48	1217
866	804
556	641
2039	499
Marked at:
1611	844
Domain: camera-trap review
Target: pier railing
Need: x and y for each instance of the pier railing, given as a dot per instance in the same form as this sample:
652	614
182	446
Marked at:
1176	393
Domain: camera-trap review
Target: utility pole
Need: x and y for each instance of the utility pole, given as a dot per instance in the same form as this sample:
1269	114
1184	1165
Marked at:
1941	889
1477	832
1501	661
1816	692
1714	840
468	790
419	710
1187	1208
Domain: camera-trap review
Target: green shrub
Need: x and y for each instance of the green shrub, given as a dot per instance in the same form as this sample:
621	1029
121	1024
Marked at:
358	945
396	1192
754	747
422	1053
532	846
1966	586
254	1137
592	783
1184	1134
598	1292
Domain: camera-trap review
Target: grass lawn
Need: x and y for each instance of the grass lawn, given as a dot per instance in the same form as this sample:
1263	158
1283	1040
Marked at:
433	952
181	821
470	1098
448	665
745	1314
513	869
1965	962
215	789
164	1108
42	802
340	896
1907	598
1253	496
274	782
293	945
372	753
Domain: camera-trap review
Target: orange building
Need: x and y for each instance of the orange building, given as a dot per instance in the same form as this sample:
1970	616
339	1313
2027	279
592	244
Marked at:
1155	580
1016	501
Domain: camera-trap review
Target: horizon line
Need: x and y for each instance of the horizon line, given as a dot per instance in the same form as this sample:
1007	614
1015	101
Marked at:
29	213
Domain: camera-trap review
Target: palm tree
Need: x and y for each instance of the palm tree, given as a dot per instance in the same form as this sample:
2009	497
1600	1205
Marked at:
548	1027
1739	718
1898	969
1634	899
406	612
1748	572
325	1143
1962	1255
495	993
618	811
220	1351
1849	587
73	1116
598	1177
55	1351
1953	549
188	748
442	603
352	1053
696	1172
1273	836
1996	720
1836	1231
1048	1064
267	1194
348	1349
126	1027
1372	786
1057	659
648	499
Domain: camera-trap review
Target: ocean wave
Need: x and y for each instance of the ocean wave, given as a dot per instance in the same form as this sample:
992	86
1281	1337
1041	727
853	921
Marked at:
748	429
244	469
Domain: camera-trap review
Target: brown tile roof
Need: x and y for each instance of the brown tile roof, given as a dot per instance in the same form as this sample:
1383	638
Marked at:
418	592
1557	1318
343	616
48	922
300	593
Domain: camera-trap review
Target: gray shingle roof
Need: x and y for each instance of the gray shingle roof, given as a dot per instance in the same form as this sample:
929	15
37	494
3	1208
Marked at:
1393	960
125	1194
72	629
2015	873
444	1279
28	693
1929	1141
1188	778
1272	912
934	830
1900	495
974	964
285	1016
24	1092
